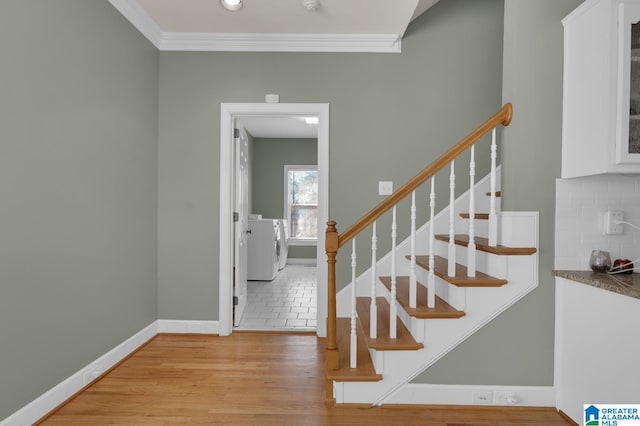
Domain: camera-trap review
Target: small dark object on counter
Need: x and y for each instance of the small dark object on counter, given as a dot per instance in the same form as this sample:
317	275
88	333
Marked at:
622	265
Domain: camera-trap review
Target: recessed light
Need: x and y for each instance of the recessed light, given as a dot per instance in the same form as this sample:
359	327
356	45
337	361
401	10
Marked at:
311	5
232	5
311	120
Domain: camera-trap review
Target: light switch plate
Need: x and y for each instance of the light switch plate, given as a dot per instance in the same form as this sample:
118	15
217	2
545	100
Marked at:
385	187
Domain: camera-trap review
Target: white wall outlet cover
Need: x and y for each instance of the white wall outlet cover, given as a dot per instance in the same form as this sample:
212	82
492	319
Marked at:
272	98
611	227
385	187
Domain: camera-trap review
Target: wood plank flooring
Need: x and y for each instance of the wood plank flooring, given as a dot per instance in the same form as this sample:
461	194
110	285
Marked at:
249	379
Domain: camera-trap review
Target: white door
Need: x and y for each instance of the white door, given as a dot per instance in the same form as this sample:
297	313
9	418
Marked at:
241	198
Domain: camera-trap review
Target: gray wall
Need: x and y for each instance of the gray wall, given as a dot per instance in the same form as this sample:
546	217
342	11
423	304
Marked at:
270	155
390	116
520	341
78	165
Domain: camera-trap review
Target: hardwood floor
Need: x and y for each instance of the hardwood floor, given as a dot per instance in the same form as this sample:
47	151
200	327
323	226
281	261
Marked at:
249	379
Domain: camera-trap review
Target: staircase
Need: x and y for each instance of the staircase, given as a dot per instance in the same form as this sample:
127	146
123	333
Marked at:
432	290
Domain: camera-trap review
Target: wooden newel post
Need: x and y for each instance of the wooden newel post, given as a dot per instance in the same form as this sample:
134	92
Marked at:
331	247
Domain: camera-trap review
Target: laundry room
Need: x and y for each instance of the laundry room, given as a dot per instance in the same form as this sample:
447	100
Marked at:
269	157
282	229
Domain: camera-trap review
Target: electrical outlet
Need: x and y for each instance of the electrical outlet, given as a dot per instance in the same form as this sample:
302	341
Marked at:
611	228
505	398
482	397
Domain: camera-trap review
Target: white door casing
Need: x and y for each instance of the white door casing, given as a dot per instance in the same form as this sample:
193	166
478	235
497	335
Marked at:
229	112
241	196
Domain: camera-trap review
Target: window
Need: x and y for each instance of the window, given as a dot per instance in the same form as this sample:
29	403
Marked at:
301	203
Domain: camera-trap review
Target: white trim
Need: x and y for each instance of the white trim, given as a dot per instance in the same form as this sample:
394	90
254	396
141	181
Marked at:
51	399
298	242
526	396
302	261
248	42
139	18
188	327
228	112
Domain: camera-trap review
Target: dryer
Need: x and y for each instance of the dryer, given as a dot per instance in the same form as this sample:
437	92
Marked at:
284	242
263	249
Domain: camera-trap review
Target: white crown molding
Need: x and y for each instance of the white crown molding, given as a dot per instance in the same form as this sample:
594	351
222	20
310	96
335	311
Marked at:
139	18
232	42
258	42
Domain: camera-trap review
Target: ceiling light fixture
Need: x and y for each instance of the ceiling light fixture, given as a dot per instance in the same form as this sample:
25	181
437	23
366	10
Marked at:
311	120
232	5
311	5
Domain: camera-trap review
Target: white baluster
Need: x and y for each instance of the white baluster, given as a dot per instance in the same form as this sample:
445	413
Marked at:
493	215
451	255
471	248
413	288
393	316
354	338
431	283
373	311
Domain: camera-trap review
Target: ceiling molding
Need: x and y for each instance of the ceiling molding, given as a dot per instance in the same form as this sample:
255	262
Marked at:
218	42
135	14
263	42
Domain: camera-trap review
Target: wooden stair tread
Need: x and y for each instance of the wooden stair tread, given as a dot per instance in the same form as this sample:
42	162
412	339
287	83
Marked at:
441	310
482	244
403	341
498	193
479	216
441	268
365	372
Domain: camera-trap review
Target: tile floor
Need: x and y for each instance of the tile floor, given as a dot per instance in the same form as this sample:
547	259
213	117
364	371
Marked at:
288	302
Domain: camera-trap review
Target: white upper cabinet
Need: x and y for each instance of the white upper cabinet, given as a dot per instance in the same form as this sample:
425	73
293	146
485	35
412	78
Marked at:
601	98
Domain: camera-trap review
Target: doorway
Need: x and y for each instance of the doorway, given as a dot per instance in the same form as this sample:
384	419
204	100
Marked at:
230	113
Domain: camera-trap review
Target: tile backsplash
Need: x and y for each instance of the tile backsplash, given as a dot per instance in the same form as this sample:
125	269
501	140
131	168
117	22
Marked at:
580	207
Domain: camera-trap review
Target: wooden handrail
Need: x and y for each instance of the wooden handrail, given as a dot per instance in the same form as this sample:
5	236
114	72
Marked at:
503	116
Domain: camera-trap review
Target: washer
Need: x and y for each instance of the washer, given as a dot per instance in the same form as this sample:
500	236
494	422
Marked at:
263	249
284	242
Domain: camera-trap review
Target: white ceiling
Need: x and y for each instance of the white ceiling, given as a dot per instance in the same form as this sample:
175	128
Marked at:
274	25
279	127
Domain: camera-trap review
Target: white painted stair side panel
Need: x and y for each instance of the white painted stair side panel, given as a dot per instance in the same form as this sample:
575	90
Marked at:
442	335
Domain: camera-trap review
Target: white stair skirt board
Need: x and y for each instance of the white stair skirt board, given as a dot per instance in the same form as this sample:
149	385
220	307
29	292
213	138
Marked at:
515	396
188	327
51	399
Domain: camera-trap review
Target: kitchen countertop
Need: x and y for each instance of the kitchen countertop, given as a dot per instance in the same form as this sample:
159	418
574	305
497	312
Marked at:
626	284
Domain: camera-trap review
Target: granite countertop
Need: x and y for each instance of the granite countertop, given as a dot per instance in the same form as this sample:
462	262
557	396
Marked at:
627	284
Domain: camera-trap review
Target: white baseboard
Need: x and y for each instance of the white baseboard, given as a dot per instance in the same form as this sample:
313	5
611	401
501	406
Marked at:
188	327
525	396
51	399
302	261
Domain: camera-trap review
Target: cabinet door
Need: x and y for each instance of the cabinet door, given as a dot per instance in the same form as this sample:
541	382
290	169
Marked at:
628	114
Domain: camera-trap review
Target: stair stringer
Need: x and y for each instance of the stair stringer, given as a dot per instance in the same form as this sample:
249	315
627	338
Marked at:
443	335
441	225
